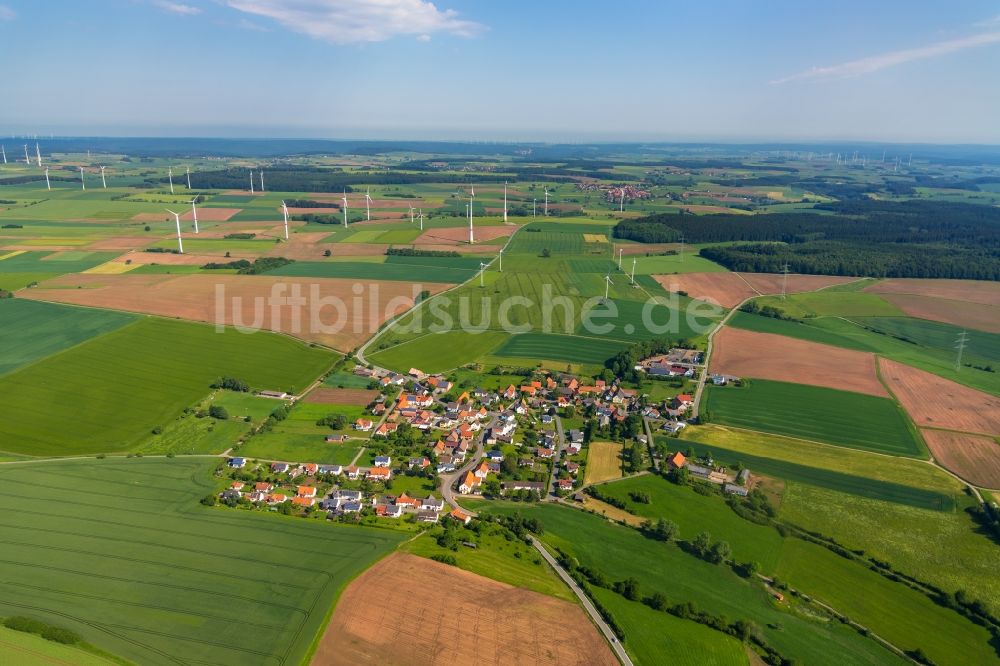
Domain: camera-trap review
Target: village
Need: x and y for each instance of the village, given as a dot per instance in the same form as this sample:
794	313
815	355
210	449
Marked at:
437	443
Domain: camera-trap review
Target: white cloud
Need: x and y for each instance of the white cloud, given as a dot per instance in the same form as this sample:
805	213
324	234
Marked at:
177	8
891	59
350	21
7	14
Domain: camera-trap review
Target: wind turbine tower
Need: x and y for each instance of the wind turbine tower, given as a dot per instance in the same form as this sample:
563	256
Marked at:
621	250
27	160
546	201
500	259
251	181
505	201
48	185
368	203
632	277
344	200
607	286
83	183
960	342
170	176
177	219
421	219
784	280
104	181
261	180
38	155
284	209
194	213
3	149
482	271
472	238
187	172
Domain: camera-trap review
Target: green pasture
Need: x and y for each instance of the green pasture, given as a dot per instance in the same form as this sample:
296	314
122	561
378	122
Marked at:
438	352
53	262
553	347
195	432
821	414
108	393
121	552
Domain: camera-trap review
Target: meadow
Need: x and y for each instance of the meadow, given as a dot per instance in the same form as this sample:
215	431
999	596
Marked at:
23	649
449	272
122	552
438	352
811	412
298	438
109	393
32	330
558	348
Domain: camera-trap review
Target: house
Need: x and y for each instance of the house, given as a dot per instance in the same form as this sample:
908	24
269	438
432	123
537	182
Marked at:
386	429
275	498
674	426
418	463
354	473
336	439
231	494
388	510
379	474
310	468
544	452
236	485
303	501
279	467
572	467
536	486
682	401
382	461
734	489
460	516
564	484
495	456
470	484
364	425
335	470
237	463
351	507
482	471
277	395
306	491
257	497
347	495
427	516
263	487
431	503
576	436
546	419
445	466
526	462
407	502
573	448
677	460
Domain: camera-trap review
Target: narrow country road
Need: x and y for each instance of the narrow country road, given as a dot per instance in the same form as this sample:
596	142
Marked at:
588	606
448	480
560	443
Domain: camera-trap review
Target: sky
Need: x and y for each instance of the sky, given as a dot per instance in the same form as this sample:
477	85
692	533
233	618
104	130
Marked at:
507	70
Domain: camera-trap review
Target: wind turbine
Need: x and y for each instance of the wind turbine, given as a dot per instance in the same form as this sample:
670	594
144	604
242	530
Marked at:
104	181
284	209
194	214
471	237
632	278
251	181
38	155
607	286
170	176
48	185
620	251
534	205
344	199
261	180
3	149
368	203
177	219
505	201
187	172
83	183
411	214
621	206
27	160
500	259
421	219
482	271
546	201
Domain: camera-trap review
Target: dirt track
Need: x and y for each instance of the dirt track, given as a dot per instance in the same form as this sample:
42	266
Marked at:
414	611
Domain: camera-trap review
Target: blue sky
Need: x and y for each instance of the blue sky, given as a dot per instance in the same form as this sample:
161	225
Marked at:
556	70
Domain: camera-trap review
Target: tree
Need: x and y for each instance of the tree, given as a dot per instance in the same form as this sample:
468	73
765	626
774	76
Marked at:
666	530
720	552
546	253
701	543
218	412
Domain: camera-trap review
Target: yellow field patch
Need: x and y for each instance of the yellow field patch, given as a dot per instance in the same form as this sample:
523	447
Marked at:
595	238
11	254
45	242
603	462
777	194
112	268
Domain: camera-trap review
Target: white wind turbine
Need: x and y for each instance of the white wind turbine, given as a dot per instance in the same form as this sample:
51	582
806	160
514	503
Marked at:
104	181
170	176
468	208
632	278
251	181
421	219
284	209
621	206
27	160
368	203
177	219
187	172
505	201
546	201
38	155
83	183
482	271
48	185
261	180
411	214
500	260
3	150
344	199
607	286
194	213
620	251
534	205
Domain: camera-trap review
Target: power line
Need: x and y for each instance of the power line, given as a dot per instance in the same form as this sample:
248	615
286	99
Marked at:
960	342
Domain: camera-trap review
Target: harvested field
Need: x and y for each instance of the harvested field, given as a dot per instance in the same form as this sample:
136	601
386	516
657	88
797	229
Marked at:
340	396
975	458
415	611
463	249
116	243
460	235
212	214
343	322
970	291
933	401
170	259
292	250
972	315
746	353
603	462
728	289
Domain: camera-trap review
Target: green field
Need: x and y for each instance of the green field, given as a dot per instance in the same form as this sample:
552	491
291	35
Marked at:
439	352
107	394
927	345
811	412
620	552
23	649
53	262
366	270
299	439
122	552
32	330
347	380
553	347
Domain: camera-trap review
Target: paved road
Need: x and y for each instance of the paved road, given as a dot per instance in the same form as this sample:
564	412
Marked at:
587	604
448	481
560	443
703	375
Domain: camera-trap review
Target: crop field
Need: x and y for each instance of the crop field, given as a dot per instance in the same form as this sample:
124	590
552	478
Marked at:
810	412
78	402
604	462
834	302
430	599
744	353
729	289
24	649
958	313
969	291
620	552
975	458
121	552
333	396
555	347
299	439
439	352
53	262
31	331
346	380
365	270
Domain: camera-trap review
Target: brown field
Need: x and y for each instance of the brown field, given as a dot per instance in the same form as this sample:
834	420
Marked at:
460	235
970	291
415	611
972	315
246	301
708	209
767	356
118	243
611	512
729	289
603	462
186	259
975	458
461	249
212	214
338	396
934	401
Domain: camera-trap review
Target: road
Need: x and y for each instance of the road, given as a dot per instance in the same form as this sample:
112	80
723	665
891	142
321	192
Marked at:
448	480
588	606
560	443
703	375
651	445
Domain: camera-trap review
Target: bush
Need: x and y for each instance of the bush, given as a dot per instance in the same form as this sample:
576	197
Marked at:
46	631
445	559
218	412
